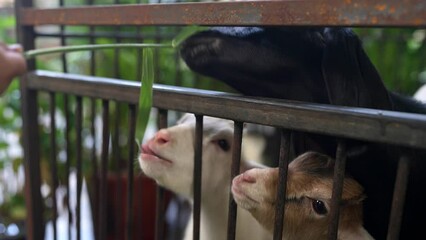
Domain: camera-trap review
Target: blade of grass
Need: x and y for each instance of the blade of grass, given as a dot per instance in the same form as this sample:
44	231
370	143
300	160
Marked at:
33	53
145	96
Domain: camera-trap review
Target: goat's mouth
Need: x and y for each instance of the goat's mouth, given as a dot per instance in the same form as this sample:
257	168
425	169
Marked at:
147	154
243	198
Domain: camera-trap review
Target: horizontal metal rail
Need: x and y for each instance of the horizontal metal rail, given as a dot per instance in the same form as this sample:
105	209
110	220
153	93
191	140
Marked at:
398	128
283	13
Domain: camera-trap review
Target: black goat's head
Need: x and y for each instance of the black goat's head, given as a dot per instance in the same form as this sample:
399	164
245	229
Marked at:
323	65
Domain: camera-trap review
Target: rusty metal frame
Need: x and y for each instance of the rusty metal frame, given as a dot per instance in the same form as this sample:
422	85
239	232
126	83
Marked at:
289	13
364	124
374	125
405	129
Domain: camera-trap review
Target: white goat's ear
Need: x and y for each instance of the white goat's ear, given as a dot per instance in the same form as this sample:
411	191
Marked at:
247	165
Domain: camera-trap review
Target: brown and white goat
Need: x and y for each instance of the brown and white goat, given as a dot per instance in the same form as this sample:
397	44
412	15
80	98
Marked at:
168	158
307	203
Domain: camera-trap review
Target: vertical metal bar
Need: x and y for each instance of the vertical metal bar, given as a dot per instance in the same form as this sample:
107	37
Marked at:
63	43
235	170
282	183
160	204
53	164
131	141
162	118
33	200
68	128
79	121
94	160
139	53
177	57
198	153
117	50
339	174
25	34
92	41
398	199
95	170
68	160
116	161
104	167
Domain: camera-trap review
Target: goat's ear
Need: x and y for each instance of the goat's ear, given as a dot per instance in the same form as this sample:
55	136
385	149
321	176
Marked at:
350	77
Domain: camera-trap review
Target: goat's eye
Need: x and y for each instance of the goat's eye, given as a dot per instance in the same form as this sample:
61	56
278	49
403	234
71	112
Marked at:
319	207
223	144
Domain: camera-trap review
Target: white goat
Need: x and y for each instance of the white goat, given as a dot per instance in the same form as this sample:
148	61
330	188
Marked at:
309	189
168	158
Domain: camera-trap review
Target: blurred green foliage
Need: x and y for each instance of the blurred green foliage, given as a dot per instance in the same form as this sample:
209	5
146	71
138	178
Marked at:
399	55
12	206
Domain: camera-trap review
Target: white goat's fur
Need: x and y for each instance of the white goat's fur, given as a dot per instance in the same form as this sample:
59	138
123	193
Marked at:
420	94
310	178
168	158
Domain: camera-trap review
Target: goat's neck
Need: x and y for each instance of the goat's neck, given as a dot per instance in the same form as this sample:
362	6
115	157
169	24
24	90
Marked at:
214	214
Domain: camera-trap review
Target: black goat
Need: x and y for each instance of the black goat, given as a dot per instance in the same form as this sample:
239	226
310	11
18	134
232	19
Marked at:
321	65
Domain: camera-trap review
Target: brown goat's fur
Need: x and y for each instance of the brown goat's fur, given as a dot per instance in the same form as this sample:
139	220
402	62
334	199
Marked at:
310	178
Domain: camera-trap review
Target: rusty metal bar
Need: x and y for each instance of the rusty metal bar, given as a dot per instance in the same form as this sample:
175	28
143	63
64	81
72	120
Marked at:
198	167
53	161
79	166
160	191
91	36
30	130
284	159
289	13
130	177
33	199
103	174
94	168
68	159
116	166
398	200
67	131
235	170
405	129
336	196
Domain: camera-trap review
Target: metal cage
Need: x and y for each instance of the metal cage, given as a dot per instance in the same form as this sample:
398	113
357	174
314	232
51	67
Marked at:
404	129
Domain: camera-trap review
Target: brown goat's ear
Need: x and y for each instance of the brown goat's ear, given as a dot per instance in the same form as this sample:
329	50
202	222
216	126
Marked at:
350	77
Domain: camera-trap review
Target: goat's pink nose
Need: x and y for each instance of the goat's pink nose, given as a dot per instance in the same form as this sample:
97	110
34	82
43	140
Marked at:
162	137
248	178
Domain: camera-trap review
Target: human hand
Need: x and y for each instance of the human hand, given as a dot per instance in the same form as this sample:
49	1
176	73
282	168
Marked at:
12	64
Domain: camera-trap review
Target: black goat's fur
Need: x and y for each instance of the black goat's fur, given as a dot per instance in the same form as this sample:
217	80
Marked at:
320	65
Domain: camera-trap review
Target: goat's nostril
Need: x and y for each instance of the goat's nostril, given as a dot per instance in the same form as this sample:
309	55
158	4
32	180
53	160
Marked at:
248	178
162	137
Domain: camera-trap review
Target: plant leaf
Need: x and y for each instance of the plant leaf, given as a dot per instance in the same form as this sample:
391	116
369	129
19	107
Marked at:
145	96
33	53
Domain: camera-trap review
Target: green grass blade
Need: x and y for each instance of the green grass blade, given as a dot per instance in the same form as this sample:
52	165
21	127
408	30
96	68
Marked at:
145	96
33	53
